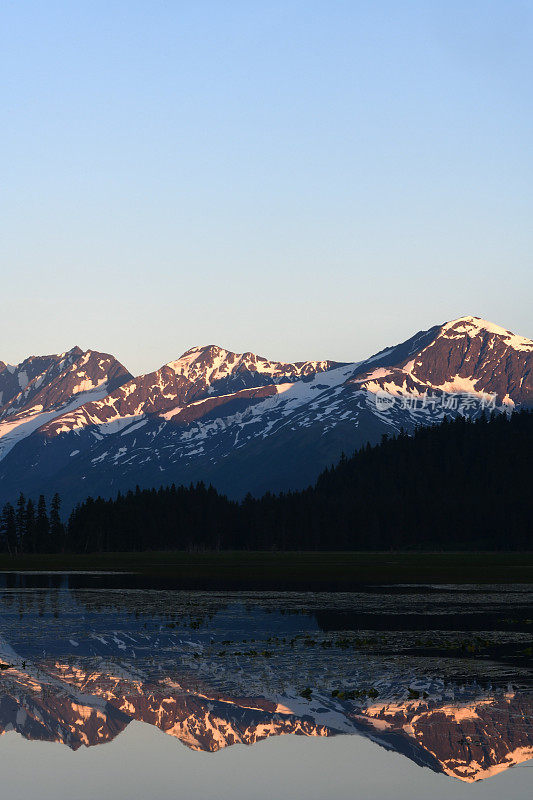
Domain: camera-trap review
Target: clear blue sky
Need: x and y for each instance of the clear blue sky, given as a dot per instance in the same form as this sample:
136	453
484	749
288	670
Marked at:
301	179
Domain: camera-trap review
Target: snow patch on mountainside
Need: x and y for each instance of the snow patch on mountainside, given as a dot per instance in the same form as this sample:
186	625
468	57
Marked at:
292	395
459	384
13	430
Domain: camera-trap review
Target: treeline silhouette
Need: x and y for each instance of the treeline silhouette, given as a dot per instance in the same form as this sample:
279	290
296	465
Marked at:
460	485
29	529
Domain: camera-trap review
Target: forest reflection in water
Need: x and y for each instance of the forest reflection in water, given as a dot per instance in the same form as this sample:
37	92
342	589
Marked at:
442	676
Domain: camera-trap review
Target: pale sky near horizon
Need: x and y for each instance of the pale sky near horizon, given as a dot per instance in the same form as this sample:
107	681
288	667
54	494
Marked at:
301	179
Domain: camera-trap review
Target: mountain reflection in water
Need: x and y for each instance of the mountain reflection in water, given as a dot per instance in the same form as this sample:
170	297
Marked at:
80	665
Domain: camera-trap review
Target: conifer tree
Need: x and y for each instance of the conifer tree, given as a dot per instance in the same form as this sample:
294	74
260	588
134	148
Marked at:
42	527
20	517
56	528
9	527
29	528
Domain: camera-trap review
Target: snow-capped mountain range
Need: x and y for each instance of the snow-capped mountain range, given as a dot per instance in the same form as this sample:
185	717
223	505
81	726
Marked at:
80	423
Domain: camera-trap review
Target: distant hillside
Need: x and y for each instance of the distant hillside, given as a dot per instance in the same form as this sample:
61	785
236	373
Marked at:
460	485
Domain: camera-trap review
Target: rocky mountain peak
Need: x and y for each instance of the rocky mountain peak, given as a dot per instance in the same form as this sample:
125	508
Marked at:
471	327
466	355
50	381
74	352
213	364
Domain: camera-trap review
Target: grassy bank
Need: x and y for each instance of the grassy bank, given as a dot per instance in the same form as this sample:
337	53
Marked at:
291	570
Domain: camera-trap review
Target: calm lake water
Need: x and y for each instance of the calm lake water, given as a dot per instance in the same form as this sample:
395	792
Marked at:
110	688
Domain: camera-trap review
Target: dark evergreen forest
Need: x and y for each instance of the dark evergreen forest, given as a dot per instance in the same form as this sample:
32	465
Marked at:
459	485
